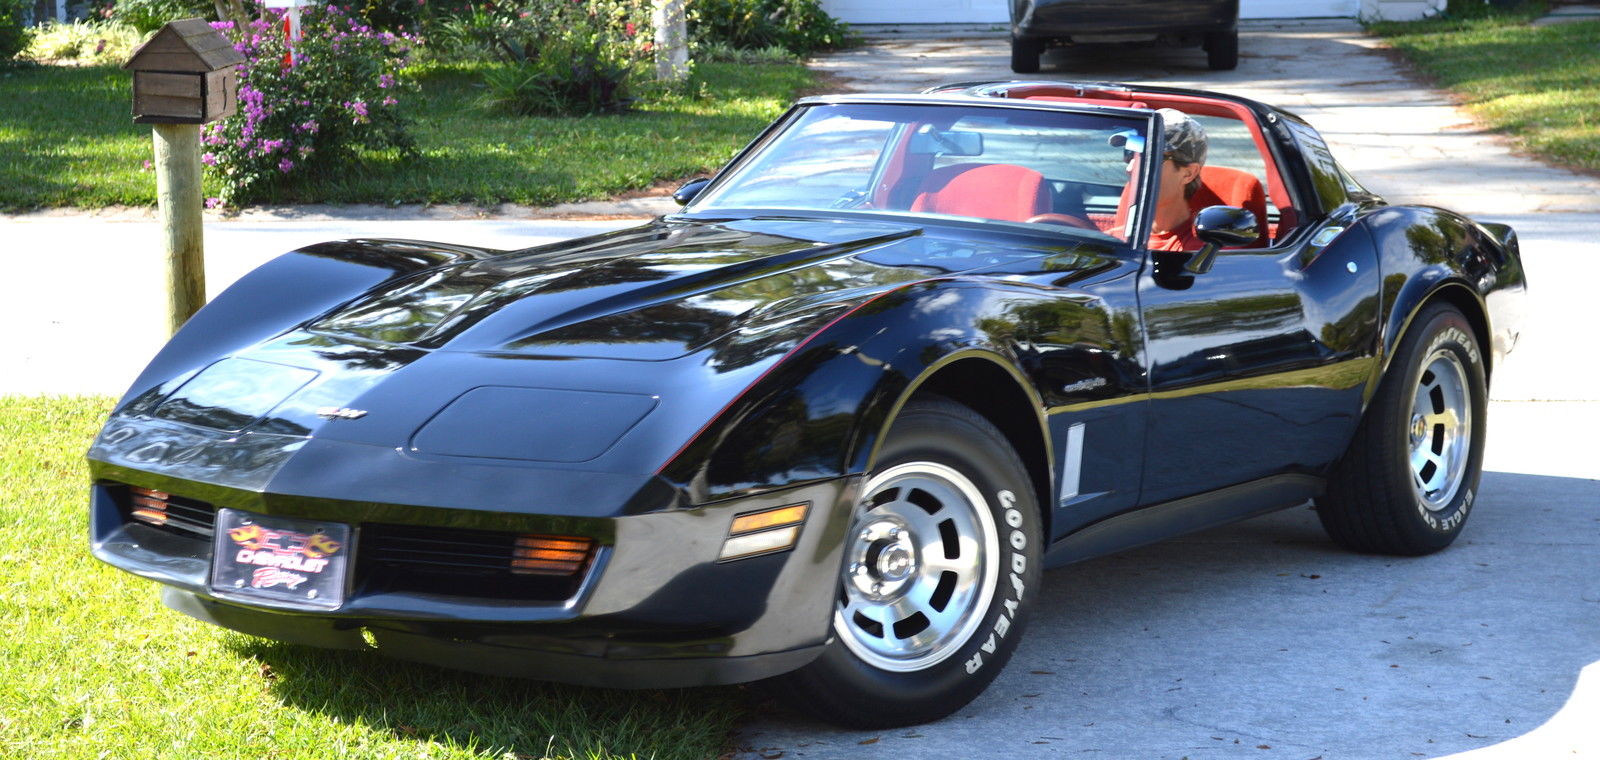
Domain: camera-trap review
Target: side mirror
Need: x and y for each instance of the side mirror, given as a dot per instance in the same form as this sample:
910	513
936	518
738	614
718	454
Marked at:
1221	227
690	190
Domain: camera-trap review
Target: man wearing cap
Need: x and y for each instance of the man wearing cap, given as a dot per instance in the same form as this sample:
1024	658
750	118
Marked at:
1172	229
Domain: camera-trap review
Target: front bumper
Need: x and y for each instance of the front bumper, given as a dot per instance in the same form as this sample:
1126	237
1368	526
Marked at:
654	609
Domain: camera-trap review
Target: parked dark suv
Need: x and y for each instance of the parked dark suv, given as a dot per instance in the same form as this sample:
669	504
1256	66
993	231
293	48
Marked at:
1211	24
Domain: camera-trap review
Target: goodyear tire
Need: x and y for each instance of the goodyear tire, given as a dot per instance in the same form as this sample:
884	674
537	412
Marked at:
1025	55
940	567
1407	483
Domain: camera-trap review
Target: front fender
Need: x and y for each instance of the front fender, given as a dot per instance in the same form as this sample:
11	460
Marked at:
823	410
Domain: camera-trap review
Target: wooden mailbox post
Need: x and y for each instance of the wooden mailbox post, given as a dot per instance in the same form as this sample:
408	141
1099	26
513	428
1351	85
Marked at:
184	76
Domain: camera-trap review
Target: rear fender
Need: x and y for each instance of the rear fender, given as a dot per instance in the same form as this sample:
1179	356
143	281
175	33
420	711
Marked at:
1428	253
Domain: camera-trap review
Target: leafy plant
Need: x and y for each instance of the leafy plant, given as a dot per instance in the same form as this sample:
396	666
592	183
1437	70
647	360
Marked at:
722	52
556	56
88	42
149	15
799	26
340	93
13	34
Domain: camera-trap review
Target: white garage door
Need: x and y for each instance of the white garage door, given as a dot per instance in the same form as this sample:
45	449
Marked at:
994	11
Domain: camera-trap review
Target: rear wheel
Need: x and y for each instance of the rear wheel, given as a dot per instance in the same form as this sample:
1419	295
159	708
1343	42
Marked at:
1025	55
1408	481
940	565
1222	50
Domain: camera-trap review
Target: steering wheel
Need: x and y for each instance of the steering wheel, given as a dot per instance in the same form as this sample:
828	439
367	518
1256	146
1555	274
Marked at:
1064	219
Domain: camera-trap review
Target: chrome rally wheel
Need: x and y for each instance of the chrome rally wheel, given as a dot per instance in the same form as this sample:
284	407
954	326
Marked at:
939	569
1408	480
1440	434
920	567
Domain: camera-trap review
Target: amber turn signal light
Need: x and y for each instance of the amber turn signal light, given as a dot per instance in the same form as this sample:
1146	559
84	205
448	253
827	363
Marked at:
149	506
534	554
764	532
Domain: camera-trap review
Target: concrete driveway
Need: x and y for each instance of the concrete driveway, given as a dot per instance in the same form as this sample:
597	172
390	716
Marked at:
1262	639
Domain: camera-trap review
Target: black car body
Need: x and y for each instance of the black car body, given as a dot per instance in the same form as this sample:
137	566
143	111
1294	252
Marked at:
572	462
1210	23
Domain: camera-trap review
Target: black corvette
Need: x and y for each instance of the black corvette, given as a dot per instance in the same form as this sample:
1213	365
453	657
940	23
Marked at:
828	424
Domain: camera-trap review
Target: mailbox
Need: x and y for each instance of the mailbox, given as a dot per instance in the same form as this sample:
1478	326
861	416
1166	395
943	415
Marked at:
185	74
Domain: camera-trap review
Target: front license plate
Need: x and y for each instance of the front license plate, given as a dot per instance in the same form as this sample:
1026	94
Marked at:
280	561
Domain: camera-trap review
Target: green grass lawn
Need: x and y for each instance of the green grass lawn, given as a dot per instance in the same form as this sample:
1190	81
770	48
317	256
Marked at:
1539	84
92	666
69	140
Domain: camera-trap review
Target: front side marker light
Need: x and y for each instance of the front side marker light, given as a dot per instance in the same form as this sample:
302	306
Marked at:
764	532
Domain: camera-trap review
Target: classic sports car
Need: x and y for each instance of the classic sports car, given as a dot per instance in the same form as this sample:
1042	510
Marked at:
828	424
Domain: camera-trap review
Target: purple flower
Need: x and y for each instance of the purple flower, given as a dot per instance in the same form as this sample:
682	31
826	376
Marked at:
213	202
148	165
209	159
285	165
385	80
389	101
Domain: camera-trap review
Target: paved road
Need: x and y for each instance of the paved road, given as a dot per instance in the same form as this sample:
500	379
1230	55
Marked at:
1261	639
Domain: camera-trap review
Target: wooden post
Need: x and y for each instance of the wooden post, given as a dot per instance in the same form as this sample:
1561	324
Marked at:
672	41
182	226
183	77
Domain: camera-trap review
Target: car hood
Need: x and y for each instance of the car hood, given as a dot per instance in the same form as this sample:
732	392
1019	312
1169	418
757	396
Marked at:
649	293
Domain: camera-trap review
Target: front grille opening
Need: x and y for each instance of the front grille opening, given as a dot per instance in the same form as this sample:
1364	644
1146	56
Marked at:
485	564
169	513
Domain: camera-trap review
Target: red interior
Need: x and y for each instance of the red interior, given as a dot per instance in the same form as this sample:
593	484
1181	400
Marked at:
1190	104
990	191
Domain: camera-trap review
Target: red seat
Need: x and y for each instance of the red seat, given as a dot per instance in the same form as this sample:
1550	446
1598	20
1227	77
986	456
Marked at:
988	191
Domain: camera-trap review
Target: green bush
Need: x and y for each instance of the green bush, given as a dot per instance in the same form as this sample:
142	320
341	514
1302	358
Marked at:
86	42
799	26
149	15
554	56
13	35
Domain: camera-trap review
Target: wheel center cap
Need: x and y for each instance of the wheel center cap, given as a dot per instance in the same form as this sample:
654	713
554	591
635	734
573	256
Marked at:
895	562
883	560
1419	427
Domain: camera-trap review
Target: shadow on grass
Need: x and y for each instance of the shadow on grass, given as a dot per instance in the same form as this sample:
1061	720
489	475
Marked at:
491	715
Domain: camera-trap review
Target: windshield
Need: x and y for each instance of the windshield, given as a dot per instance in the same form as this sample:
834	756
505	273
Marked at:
997	164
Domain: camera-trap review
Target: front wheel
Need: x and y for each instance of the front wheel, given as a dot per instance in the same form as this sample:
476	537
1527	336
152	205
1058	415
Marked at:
940	566
1407	483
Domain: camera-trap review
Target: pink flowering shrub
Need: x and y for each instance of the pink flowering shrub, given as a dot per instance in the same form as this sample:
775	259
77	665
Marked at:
340	93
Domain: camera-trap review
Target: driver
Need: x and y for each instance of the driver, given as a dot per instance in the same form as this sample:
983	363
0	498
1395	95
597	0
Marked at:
1172	229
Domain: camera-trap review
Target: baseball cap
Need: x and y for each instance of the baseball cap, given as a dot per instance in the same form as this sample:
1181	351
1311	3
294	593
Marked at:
1185	138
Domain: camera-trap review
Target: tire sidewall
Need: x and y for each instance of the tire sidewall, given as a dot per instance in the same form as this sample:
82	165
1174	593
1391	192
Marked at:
924	435
1441	328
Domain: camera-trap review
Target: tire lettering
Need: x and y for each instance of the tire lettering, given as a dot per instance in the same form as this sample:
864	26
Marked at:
1019	564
